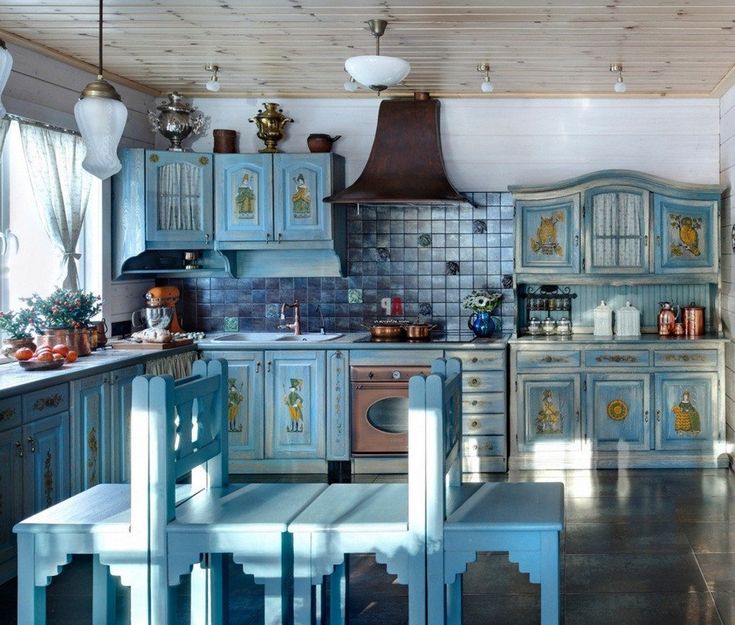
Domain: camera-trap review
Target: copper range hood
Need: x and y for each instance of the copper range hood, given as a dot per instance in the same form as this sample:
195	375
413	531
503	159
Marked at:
405	165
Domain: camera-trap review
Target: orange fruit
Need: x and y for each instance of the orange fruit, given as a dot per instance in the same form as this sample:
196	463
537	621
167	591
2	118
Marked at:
60	349
45	357
71	356
23	353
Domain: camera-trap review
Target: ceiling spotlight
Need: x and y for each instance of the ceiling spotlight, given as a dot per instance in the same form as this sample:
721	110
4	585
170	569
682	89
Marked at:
350	85
619	84
485	86
374	71
101	117
213	83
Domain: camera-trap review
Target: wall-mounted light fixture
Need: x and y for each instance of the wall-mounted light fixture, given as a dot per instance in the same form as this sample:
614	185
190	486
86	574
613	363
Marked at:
374	71
619	84
213	83
6	64
485	86
101	118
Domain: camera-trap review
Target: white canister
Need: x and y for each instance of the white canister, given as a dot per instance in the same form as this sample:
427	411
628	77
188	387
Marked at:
628	321
602	318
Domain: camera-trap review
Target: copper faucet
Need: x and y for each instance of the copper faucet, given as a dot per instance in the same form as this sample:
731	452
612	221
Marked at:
296	325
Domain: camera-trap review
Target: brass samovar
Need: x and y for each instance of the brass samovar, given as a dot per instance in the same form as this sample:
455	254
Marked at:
271	123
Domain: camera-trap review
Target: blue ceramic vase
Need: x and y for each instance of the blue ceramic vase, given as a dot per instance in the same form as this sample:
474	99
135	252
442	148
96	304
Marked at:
481	323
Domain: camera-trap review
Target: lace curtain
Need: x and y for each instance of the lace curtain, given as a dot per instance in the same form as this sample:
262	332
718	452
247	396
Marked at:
61	189
178	192
179	365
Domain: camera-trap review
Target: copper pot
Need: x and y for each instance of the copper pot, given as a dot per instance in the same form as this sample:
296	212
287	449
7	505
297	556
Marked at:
419	331
388	330
693	320
320	142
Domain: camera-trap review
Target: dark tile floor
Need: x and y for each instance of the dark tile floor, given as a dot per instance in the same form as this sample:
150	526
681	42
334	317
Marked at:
640	548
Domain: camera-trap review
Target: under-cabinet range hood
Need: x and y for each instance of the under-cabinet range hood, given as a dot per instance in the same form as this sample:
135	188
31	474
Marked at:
405	165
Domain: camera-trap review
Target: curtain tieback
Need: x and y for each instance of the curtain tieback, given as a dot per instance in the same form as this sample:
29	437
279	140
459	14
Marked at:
68	255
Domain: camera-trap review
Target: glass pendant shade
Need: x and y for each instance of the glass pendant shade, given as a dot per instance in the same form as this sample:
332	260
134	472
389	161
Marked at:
101	121
377	72
619	86
6	64
212	85
486	86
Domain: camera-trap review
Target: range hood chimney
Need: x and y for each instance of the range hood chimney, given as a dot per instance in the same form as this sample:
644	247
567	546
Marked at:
405	165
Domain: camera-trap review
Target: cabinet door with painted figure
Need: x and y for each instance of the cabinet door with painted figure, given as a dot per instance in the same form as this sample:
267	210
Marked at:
686	408
618	416
549	404
548	238
178	200
12	452
301	182
686	235
45	462
243	203
616	227
90	425
121	401
295	404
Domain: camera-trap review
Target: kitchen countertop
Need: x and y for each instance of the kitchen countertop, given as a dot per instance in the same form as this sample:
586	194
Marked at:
646	339
14	380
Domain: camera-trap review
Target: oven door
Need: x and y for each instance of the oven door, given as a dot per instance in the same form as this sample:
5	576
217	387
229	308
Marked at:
379	418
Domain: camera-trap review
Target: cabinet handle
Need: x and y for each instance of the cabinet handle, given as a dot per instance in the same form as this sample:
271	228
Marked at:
19	449
267	237
280	236
257	366
658	415
268	370
52	401
206	237
645	416
31	444
658	240
645	240
576	240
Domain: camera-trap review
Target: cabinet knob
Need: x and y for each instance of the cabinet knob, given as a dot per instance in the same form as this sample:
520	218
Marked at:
267	237
257	366
31	444
19	449
658	240
645	240
474	359
280	236
658	415
645	416
206	237
268	367
475	424
474	402
474	382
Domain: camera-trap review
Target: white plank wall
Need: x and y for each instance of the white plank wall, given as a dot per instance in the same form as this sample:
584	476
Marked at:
46	90
489	144
727	178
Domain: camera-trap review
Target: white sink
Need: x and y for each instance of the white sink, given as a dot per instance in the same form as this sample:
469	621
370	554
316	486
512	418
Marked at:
272	337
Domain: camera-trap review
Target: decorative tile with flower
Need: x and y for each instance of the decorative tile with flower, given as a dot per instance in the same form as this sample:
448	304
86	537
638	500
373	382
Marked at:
482	303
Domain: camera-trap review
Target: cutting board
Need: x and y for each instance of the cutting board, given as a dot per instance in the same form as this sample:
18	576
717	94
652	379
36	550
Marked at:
123	344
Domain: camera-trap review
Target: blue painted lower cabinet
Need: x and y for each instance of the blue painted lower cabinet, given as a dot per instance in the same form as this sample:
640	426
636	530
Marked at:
685	405
618	414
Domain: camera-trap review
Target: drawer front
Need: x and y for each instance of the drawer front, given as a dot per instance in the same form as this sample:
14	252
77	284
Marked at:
479	446
617	358
485	359
685	358
46	402
551	359
483	382
475	424
473	403
9	412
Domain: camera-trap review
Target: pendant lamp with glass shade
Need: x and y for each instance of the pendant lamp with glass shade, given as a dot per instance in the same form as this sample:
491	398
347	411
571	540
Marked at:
6	64
101	118
374	71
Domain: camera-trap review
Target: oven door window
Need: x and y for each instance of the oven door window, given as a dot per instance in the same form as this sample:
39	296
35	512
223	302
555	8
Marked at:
389	414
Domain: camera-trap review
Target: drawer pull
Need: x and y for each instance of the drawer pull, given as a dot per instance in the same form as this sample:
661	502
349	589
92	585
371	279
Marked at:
474	402
549	358
617	358
474	359
684	357
474	382
32	444
52	401
475	424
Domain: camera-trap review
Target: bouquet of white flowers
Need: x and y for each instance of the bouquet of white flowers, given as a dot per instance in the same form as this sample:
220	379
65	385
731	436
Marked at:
482	301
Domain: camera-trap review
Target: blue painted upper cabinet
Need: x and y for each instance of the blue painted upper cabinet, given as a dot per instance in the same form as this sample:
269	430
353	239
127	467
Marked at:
178	200
548	237
686	235
616	227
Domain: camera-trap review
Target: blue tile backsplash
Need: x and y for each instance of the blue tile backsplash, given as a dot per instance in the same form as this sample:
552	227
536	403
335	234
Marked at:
429	256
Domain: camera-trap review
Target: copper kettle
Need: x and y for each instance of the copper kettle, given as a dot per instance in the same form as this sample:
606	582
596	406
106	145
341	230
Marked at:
667	318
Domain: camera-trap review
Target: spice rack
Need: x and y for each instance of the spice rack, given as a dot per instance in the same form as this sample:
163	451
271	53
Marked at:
544	302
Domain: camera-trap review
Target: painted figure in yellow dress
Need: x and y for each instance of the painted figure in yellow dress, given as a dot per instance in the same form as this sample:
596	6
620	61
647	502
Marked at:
301	198
245	198
295	404
234	399
686	417
548	420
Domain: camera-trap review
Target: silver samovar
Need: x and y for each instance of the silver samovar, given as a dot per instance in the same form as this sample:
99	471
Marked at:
176	120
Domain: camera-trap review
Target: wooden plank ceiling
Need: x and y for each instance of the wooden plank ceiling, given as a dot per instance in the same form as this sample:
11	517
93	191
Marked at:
296	48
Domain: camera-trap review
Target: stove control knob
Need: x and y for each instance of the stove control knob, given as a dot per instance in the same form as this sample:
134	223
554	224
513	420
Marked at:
396	375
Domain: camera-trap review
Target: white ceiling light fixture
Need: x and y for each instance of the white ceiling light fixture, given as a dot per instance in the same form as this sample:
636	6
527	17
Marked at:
619	84
101	118
213	83
350	85
374	71
485	86
6	64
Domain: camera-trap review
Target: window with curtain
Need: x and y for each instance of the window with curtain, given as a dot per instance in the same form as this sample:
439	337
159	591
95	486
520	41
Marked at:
34	227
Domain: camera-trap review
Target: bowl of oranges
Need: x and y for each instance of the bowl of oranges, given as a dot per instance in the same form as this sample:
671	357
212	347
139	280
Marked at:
45	358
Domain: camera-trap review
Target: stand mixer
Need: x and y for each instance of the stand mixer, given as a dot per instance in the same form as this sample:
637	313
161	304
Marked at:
166	296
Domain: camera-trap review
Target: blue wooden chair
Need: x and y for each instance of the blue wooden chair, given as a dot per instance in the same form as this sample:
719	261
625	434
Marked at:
388	520
122	525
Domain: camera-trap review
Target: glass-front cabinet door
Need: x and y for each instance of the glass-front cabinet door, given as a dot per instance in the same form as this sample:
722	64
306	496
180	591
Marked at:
686	404
548	238
616	227
243	197
549	404
617	412
178	199
686	235
301	183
